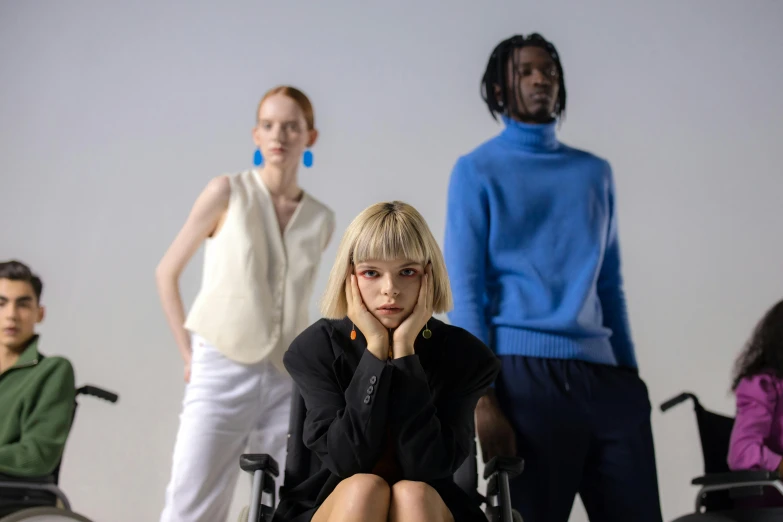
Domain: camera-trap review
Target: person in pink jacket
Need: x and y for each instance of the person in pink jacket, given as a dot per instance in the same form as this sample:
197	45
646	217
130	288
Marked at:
757	436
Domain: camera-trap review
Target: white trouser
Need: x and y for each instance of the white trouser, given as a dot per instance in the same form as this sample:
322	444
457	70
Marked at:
228	409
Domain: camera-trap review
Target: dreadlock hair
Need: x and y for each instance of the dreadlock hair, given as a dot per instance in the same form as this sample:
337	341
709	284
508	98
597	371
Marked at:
764	352
496	74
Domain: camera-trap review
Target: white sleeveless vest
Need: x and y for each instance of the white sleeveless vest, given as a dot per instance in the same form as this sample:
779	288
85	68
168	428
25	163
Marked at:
257	284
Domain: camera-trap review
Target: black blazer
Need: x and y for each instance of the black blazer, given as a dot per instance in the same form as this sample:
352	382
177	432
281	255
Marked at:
426	400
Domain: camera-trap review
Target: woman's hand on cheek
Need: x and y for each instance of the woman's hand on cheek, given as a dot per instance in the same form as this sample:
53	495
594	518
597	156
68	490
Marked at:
405	334
376	334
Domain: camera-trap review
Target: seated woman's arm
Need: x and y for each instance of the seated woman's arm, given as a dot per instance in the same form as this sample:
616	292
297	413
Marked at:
345	429
434	439
44	426
756	402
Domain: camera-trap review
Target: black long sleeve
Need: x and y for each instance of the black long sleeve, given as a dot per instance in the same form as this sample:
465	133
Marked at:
345	428
434	436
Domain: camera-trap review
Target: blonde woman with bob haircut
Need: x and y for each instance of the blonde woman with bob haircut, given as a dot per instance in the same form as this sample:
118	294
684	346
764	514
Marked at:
389	390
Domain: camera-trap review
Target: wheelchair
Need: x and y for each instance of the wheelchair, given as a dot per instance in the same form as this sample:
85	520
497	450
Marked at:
39	499
300	462
721	490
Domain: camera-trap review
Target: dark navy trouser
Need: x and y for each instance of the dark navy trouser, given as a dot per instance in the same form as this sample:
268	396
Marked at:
581	428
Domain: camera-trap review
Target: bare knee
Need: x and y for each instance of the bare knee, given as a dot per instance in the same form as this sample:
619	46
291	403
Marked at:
363	489
410	493
362	497
412	500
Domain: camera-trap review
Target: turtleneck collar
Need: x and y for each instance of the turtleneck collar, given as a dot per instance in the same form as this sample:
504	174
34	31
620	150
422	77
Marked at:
531	136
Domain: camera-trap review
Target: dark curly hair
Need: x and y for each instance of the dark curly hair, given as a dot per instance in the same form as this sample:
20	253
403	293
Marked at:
764	351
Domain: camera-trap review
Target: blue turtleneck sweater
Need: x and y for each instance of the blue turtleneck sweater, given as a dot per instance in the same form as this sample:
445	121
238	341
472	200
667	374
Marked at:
532	249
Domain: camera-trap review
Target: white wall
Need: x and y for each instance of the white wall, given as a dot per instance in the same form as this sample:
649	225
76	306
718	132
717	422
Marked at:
114	116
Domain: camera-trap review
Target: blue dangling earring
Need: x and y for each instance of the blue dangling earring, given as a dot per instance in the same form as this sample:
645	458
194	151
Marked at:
258	159
307	158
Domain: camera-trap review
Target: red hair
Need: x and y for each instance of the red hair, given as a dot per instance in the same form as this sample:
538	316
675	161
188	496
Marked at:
298	96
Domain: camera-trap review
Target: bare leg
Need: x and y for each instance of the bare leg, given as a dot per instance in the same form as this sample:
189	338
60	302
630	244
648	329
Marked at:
417	502
360	498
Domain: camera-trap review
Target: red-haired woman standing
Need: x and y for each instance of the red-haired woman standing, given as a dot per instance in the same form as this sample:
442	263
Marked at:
264	238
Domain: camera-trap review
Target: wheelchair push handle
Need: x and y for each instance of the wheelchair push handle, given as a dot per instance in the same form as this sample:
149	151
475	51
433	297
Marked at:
98	392
674	401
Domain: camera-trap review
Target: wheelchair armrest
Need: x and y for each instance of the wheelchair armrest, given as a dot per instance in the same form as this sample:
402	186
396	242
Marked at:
263	482
511	465
499	470
737	478
252	462
674	401
100	393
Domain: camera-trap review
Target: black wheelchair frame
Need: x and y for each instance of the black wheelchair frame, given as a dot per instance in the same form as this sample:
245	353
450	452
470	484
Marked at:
21	493
719	486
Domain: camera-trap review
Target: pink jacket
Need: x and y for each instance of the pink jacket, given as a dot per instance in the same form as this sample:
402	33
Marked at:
757	437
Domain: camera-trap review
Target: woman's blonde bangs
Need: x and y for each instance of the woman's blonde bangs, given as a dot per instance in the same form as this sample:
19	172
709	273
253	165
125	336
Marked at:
385	232
389	236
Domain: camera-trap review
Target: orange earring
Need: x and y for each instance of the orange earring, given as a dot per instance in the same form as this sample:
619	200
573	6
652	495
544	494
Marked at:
353	332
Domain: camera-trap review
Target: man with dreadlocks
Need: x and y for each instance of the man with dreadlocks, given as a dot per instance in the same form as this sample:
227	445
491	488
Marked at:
533	255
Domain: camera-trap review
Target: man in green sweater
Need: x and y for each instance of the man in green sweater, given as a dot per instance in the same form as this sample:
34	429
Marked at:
37	393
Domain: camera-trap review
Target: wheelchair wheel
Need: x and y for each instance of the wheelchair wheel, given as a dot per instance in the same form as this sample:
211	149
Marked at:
44	514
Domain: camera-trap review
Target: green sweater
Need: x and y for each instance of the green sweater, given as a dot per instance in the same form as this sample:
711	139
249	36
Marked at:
37	400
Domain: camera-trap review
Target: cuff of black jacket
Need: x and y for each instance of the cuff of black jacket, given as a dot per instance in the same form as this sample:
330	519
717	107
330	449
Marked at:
410	384
369	384
411	367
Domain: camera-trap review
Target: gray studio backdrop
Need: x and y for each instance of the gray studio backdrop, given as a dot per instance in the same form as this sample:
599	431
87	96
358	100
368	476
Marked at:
114	116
